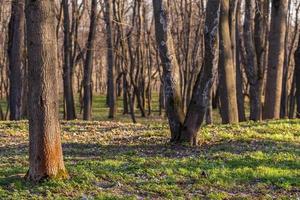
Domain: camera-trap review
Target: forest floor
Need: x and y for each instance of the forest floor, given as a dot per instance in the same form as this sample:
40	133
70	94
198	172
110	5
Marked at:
121	160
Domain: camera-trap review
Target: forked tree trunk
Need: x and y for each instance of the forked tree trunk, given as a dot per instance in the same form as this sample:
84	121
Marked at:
15	54
45	150
227	73
275	60
173	99
200	98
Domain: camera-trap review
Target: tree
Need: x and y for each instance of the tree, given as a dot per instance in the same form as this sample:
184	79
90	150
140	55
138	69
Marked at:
45	150
110	61
275	60
15	53
67	66
251	67
173	99
228	98
88	65
297	78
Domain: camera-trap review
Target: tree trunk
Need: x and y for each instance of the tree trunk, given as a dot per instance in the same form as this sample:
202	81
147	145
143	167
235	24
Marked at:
169	62
15	54
275	59
45	150
67	68
88	65
200	98
227	73
111	83
297	78
251	60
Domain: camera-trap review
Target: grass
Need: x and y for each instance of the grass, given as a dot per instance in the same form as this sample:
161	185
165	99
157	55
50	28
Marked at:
120	160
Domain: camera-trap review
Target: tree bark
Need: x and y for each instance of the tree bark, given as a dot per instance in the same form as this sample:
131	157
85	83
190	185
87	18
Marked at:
200	97
45	150
15	54
251	68
227	75
173	99
275	60
67	68
88	65
111	83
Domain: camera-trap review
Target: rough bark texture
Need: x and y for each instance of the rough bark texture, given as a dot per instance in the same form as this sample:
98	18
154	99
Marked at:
110	61
15	53
45	150
275	59
88	65
227	73
173	100
200	97
67	68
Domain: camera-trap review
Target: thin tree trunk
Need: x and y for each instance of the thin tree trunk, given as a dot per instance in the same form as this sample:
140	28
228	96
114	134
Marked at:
88	65
15	54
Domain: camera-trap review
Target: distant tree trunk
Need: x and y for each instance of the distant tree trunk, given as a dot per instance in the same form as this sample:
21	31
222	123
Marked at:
67	68
45	151
15	54
111	83
275	60
251	60
227	73
88	65
169	62
297	78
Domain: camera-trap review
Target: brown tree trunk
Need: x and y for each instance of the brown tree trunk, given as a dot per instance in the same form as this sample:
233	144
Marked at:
201	93
45	151
169	62
88	65
275	59
15	54
67	68
251	60
227	74
297	78
111	83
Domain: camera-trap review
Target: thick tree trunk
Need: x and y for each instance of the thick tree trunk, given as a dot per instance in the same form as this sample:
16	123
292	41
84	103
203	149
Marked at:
200	98
111	83
275	60
45	151
88	65
67	68
227	75
15	54
169	62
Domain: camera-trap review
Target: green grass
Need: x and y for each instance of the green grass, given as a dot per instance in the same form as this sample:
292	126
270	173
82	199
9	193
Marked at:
120	160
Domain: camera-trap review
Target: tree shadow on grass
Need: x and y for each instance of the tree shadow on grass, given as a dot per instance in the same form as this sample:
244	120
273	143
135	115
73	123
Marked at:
212	157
